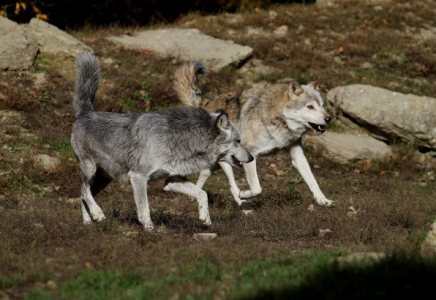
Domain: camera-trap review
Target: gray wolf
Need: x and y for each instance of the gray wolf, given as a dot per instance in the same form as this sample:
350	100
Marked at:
270	117
140	147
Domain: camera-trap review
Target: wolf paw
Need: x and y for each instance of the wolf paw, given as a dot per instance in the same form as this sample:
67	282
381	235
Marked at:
325	202
207	221
246	207
149	226
98	216
249	194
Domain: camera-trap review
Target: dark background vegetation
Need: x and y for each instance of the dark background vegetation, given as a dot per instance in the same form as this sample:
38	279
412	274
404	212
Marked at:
76	13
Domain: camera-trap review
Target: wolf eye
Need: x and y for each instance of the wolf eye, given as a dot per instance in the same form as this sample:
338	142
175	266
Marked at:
310	107
238	141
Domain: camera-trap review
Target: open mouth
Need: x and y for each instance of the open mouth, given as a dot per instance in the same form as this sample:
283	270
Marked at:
317	128
236	162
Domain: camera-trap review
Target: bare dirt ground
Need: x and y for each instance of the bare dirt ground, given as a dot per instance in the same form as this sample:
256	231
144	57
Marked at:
383	206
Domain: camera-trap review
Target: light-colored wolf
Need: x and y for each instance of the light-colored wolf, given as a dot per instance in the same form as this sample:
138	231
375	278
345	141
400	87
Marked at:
145	146
270	117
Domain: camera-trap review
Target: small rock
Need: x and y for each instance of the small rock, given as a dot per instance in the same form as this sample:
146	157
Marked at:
352	211
393	85
39	80
378	8
281	31
74	201
108	61
131	234
324	232
300	29
311	208
273	14
367	65
47	163
326	3
338	60
204	236
51	284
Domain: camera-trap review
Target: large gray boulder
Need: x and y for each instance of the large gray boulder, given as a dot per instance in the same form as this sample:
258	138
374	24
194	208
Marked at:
53	40
332	3
18	48
187	44
346	148
388	115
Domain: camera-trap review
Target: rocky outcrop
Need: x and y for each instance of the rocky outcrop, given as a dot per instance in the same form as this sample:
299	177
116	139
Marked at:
388	115
18	48
53	40
428	247
346	147
20	43
187	44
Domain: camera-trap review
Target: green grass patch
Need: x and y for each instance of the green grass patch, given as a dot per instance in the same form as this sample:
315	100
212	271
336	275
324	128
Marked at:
303	276
61	147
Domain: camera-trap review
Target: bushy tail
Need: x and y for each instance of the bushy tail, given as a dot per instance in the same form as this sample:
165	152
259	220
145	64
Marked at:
87	79
186	83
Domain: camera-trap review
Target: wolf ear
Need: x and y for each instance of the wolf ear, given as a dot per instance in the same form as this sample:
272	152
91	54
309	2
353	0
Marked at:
317	85
295	88
222	122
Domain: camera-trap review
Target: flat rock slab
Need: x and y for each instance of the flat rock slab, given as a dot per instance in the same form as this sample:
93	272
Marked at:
53	40
428	247
18	48
187	44
388	115
346	147
204	236
362	256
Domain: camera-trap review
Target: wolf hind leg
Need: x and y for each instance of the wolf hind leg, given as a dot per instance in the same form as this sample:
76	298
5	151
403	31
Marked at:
190	189
253	181
101	181
90	208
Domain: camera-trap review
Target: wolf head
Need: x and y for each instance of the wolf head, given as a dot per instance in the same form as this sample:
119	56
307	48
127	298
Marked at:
305	108
229	142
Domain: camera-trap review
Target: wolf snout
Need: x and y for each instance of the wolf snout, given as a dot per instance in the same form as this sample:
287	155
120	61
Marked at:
328	119
250	157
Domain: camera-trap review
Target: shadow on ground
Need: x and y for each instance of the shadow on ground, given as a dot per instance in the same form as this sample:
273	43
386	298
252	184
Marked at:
393	278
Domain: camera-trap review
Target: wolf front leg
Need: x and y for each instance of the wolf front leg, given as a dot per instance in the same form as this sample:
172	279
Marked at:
244	205
299	161
190	189
139	184
253	181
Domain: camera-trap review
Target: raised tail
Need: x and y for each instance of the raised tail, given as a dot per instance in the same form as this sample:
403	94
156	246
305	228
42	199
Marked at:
186	83
87	79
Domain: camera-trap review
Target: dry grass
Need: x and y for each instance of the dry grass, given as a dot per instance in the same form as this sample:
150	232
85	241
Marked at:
42	237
